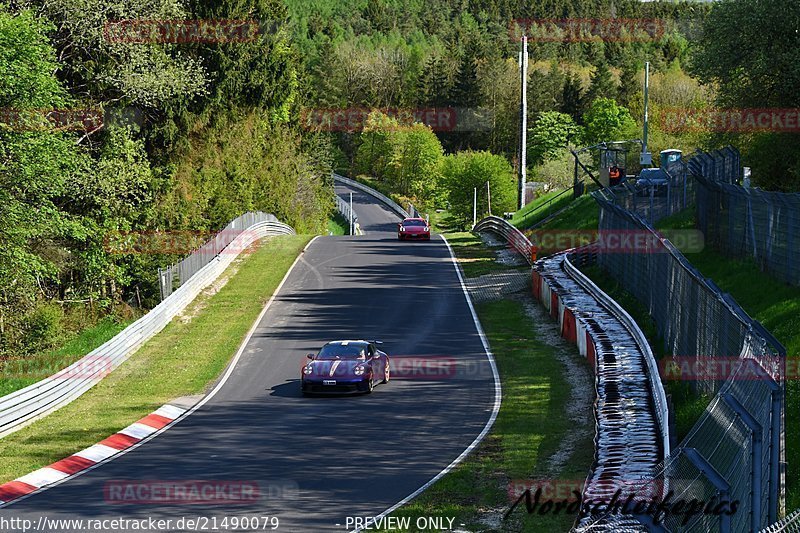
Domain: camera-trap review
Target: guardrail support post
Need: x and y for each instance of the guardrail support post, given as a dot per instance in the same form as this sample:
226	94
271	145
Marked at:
716	479
756	488
775	455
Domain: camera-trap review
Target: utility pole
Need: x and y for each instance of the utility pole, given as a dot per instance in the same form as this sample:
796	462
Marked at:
474	207
523	143
646	159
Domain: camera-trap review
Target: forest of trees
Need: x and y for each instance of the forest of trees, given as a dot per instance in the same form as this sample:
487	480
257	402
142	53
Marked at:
194	134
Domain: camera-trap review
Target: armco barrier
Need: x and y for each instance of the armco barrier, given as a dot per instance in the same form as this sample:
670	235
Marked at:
343	206
632	435
35	401
369	190
512	235
631	408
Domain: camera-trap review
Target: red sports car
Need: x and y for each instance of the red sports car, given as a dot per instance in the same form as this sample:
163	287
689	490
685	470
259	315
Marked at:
414	228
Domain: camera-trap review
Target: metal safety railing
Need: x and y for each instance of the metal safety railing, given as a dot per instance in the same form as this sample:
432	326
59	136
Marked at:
35	401
349	214
180	272
369	190
509	233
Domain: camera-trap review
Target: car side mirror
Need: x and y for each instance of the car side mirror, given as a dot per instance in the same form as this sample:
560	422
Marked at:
310	356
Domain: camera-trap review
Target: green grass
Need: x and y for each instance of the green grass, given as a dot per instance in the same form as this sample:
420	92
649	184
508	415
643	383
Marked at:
541	208
182	360
582	214
475	258
770	301
773	303
530	427
18	373
338	225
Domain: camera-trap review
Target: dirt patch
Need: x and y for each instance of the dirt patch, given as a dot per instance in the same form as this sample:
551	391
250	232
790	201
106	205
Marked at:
579	377
505	254
199	303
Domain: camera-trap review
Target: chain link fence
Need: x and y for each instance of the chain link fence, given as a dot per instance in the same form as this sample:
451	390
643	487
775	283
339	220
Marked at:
743	221
735	450
656	201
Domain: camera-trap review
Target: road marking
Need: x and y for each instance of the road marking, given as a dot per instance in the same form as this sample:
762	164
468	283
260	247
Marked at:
498	395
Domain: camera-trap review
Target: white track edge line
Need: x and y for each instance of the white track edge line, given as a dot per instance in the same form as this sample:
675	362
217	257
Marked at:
498	396
192	409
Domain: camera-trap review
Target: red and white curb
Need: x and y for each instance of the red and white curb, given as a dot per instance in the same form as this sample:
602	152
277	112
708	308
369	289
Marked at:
91	456
572	329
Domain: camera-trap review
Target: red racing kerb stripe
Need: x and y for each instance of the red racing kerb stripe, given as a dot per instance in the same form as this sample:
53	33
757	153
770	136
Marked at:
76	463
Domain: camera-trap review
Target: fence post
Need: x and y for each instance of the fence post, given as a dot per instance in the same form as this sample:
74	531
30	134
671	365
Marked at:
716	479
775	455
756	488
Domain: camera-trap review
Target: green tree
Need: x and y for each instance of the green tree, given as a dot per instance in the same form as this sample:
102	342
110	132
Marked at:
551	133
414	165
375	149
465	171
750	50
601	85
435	83
606	121
572	97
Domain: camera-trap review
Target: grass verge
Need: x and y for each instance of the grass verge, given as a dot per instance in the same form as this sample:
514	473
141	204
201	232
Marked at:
541	208
338	225
184	359
530	427
18	373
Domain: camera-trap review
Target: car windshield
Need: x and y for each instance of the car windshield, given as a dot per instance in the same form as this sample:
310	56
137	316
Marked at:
341	351
414	223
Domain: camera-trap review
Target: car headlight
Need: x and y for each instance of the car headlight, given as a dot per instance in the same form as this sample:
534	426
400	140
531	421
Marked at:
359	370
402	228
308	370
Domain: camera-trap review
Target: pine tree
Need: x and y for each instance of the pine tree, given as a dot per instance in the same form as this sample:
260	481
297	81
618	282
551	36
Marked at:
466	92
572	98
434	83
601	85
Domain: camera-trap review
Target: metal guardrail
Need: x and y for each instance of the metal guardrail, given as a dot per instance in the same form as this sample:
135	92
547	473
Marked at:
632	435
645	442
191	264
512	235
349	214
369	190
658	393
39	399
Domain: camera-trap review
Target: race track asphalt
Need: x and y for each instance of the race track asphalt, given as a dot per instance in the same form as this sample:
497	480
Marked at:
318	460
